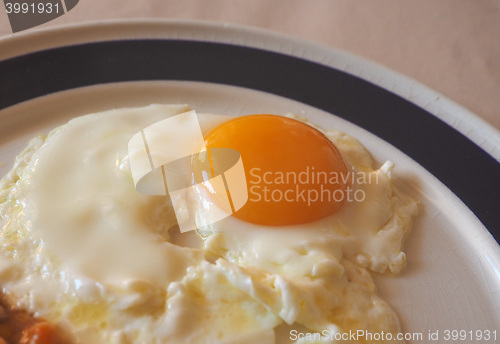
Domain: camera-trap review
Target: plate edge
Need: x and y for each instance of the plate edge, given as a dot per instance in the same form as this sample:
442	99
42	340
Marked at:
482	133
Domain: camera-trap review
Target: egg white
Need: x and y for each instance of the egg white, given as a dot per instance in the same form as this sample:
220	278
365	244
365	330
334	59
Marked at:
82	248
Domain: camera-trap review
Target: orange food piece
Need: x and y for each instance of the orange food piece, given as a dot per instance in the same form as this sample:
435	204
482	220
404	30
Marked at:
20	327
42	333
293	171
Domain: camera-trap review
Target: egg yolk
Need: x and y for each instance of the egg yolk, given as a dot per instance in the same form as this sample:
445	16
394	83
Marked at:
294	173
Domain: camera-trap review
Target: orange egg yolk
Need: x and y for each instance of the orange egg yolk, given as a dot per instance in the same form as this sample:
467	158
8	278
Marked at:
293	171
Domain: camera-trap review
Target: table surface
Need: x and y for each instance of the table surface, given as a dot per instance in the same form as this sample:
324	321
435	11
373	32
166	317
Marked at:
452	46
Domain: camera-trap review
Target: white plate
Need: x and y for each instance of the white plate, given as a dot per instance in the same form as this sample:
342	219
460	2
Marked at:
452	281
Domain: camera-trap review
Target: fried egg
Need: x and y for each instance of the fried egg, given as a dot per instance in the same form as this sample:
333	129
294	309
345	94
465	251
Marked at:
82	248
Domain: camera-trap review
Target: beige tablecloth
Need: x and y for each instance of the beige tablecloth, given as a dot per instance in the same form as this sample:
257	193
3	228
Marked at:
452	46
